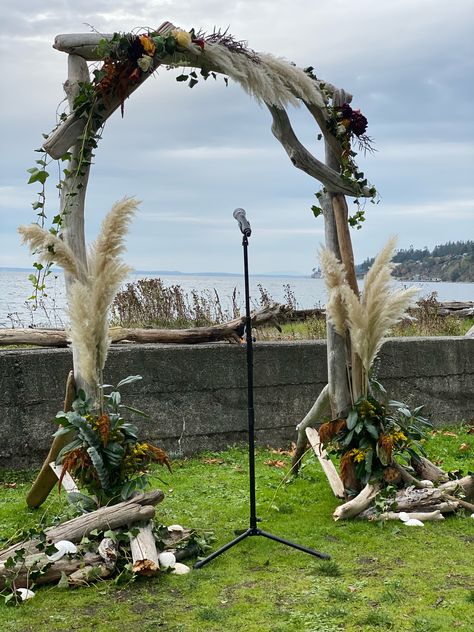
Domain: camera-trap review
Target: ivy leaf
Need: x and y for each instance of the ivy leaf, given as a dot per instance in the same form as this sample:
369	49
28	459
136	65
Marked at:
192	83
182	78
38	176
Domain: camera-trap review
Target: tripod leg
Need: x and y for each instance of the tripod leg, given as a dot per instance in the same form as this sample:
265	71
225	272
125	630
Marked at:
299	547
224	548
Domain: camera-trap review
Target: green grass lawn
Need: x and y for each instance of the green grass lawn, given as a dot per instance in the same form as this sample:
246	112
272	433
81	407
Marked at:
380	577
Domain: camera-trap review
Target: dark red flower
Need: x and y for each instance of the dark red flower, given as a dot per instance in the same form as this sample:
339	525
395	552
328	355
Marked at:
346	111
135	50
199	42
358	123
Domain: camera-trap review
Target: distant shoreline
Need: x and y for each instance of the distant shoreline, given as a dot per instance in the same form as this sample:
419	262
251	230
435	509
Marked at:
179	273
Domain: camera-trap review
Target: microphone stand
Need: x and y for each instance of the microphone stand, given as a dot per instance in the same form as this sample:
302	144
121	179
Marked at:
253	529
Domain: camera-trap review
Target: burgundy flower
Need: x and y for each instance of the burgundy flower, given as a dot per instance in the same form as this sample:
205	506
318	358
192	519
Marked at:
346	111
199	42
358	123
136	49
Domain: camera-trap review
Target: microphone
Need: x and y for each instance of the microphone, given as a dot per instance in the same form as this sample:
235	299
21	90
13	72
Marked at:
239	215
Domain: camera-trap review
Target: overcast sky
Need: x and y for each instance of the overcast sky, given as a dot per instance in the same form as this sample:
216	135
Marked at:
192	156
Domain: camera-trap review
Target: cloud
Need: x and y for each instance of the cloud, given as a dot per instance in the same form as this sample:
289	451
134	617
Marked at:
192	156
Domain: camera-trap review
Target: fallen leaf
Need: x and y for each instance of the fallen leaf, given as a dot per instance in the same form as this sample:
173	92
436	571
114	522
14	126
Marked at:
352	589
449	434
10	485
471	430
276	463
465	447
213	461
289	452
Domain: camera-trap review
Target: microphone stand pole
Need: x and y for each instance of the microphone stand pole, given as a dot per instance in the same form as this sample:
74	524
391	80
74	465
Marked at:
253	529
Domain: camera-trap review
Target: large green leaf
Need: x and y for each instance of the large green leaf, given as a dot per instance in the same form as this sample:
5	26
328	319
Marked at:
114	454
100	468
351	419
372	430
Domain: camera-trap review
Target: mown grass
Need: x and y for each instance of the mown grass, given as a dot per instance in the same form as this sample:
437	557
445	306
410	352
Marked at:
386	577
315	328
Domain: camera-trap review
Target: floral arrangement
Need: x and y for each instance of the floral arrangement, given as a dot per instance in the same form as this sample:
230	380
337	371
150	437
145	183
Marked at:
372	438
128	56
105	456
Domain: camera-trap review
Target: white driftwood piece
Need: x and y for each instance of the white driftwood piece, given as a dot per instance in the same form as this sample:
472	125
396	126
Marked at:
67	482
424	516
326	463
355	506
144	553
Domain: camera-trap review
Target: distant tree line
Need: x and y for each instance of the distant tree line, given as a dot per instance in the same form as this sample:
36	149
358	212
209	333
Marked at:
452	249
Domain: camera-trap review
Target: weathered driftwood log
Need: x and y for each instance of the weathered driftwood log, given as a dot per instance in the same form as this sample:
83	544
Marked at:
80	568
47	479
232	330
372	514
355	506
326	463
426	470
22	571
144	553
466	485
422	499
136	509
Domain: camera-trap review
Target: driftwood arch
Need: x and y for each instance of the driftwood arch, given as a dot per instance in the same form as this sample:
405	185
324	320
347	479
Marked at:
272	81
275	83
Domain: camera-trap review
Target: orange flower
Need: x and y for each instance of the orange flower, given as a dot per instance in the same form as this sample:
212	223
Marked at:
148	45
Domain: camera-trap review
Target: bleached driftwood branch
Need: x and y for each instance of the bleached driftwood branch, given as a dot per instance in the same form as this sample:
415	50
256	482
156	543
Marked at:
327	465
303	159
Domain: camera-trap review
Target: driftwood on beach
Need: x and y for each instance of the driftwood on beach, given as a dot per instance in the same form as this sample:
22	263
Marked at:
232	331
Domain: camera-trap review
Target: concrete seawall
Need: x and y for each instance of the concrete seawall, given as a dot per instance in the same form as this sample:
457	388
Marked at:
197	397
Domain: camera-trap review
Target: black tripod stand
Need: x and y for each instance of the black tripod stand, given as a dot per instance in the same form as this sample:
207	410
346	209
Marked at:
239	215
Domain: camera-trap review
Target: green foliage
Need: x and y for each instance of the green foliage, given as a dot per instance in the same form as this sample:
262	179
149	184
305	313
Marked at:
105	455
374	435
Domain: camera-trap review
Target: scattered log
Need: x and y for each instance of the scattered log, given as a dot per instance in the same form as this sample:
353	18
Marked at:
79	568
326	463
21	572
354	507
422	499
144	553
371	514
426	470
466	485
136	509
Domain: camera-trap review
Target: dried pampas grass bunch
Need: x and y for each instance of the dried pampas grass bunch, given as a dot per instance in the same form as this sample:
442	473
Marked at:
369	318
93	289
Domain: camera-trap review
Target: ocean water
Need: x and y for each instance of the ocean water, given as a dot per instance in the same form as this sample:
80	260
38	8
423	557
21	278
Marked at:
17	311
